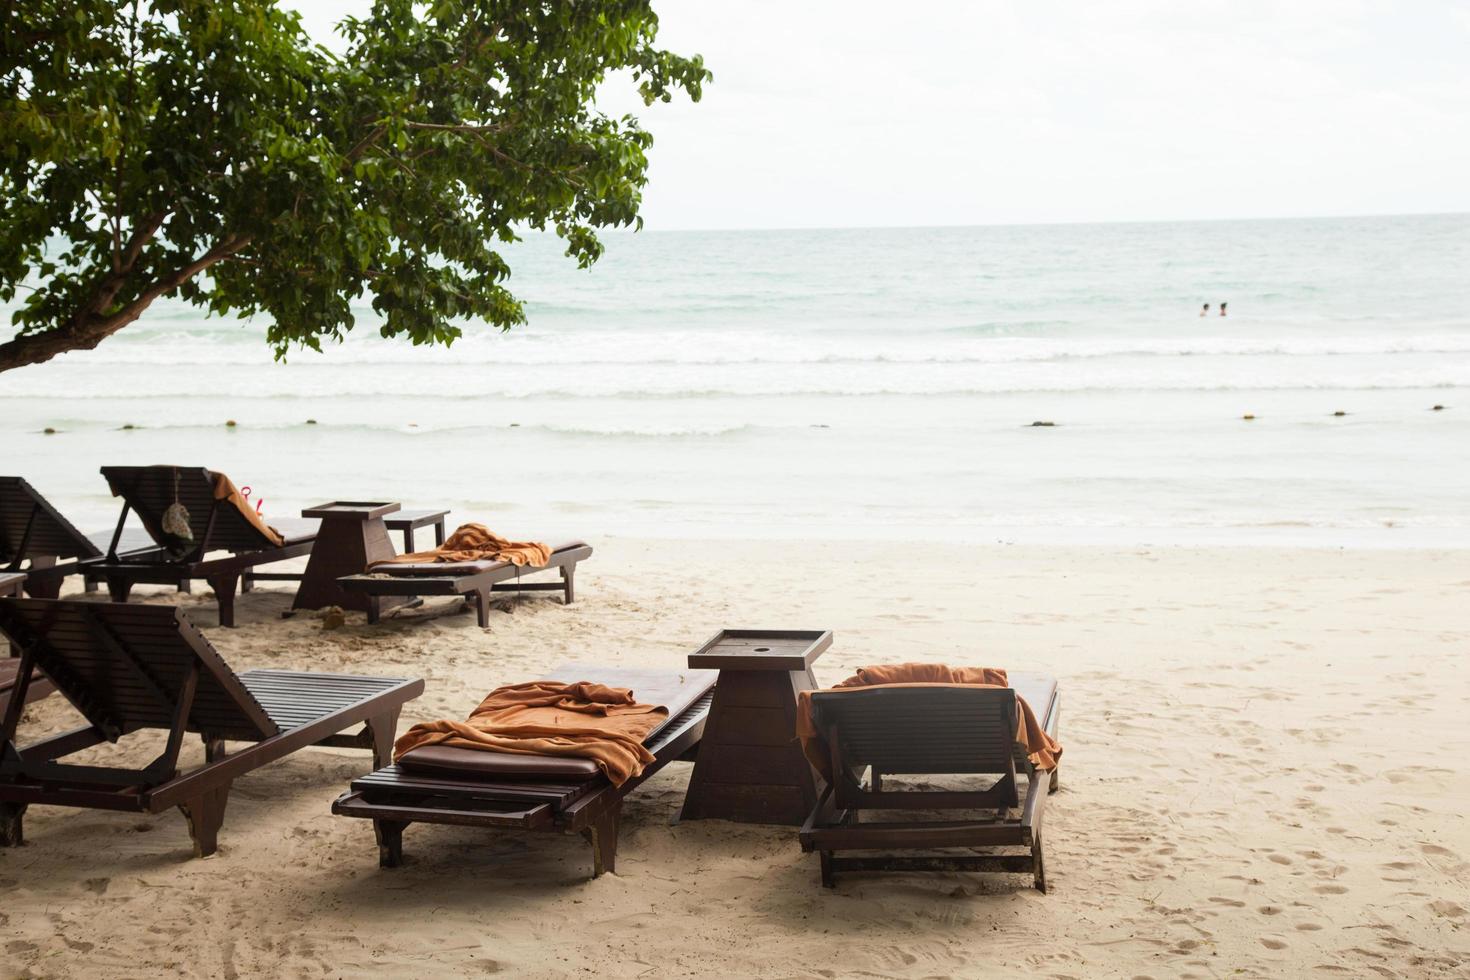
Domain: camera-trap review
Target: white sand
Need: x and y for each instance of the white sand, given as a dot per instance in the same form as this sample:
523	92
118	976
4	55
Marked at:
1266	774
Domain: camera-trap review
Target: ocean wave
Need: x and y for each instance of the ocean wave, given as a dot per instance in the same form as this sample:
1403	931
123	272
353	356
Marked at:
678	394
693	349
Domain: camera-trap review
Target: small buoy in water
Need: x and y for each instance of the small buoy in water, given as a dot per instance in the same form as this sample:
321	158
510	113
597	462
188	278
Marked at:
230	423
49	431
128	426
1043	425
1248	417
1338	414
515	425
333	618
1437	408
820	425
311	421
413	425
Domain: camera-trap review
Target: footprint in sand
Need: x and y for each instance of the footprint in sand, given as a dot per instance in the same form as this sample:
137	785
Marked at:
1271	942
1448	909
1280	858
1330	890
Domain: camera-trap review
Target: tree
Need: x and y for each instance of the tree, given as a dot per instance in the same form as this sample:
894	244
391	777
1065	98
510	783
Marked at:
207	148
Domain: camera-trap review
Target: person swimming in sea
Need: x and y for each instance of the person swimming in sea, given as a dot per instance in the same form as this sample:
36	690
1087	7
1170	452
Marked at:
1205	311
1222	308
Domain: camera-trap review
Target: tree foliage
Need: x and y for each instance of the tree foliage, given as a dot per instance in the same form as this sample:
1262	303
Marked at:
209	149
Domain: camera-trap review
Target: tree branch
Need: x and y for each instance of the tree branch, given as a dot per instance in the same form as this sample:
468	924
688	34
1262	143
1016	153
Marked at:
85	332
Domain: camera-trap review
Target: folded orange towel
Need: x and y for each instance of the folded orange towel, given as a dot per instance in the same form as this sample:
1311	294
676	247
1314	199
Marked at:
1041	748
592	721
476	542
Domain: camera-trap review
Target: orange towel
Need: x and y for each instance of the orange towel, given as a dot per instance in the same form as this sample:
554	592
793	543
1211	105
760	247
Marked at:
476	542
1043	750
592	721
225	490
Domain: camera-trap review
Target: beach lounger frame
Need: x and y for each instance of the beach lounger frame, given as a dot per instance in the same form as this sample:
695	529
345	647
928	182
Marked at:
127	668
11	584
474	581
590	805
929	730
218	526
37	539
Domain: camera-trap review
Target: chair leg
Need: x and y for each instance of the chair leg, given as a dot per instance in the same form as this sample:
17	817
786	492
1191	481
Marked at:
118	589
1038	864
224	591
186	586
829	878
47	587
214	749
247	583
603	836
382	729
374	610
12	833
482	608
205	813
89	584
568	589
390	842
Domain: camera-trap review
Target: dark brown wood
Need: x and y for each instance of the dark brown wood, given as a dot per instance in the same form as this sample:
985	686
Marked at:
926	731
474	581
177	683
147	491
351	538
393	797
352	510
750	767
406	522
762	649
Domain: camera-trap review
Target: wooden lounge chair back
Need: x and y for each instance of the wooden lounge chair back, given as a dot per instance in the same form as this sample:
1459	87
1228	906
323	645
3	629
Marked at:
922	729
30	527
131	667
216	525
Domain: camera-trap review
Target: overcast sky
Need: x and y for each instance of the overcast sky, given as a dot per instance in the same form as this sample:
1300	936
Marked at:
827	114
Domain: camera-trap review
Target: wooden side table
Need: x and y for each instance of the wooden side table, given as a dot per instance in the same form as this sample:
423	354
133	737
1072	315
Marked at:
352	537
750	767
408	521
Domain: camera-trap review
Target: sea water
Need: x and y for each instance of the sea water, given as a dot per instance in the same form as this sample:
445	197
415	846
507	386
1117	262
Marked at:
869	383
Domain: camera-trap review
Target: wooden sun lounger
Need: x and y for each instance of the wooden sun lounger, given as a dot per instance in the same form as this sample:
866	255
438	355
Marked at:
217	526
474	580
37	539
129	668
931	731
471	788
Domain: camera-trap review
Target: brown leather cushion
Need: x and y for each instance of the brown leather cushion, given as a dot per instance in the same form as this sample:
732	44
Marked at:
459	567
675	690
446	760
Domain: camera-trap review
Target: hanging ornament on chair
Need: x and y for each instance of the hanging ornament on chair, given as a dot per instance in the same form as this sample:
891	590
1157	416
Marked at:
177	532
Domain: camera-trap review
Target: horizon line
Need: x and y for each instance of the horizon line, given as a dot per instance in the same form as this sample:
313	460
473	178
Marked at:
1044	224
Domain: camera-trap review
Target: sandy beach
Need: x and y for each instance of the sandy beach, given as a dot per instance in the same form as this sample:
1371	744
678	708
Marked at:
1266	772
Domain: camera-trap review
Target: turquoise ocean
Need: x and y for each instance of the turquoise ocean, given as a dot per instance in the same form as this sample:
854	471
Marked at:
875	384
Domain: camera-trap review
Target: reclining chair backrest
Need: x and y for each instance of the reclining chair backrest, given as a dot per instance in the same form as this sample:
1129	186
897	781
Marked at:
31	528
124	667
216	525
921	730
